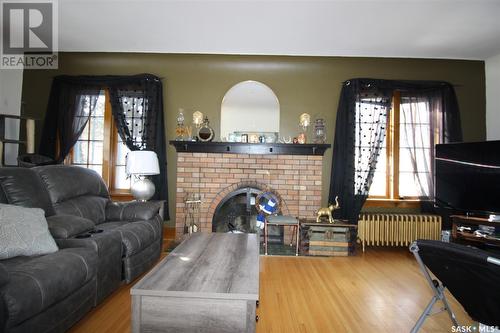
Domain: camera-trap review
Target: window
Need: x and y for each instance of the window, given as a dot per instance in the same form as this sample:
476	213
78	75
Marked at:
88	150
100	148
415	154
403	170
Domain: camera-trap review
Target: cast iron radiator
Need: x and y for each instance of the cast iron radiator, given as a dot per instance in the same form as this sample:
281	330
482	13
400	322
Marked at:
397	229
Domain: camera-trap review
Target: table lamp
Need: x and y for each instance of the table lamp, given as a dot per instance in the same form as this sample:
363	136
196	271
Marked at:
140	164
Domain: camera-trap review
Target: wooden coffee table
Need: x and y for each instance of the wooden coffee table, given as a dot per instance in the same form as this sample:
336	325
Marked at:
209	283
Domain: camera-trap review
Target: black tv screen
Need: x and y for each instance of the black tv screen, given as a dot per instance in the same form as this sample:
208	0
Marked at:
468	177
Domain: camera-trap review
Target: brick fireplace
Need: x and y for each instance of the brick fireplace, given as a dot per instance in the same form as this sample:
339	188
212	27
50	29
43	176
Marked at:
215	175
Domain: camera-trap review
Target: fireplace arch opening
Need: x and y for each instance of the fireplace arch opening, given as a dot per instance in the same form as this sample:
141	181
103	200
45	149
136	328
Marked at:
237	212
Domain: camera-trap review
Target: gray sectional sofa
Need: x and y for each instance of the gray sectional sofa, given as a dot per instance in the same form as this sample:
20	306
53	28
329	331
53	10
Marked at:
101	244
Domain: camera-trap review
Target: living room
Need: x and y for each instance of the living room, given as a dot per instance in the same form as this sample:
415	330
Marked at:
194	59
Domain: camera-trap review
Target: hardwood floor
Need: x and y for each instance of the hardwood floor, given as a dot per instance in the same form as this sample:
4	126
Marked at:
379	291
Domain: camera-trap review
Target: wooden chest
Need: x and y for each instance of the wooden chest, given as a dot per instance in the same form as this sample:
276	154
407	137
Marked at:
325	239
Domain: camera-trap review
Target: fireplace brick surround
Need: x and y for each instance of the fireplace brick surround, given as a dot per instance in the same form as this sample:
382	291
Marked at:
296	178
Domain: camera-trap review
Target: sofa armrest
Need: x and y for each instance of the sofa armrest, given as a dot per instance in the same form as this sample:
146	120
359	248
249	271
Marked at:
132	210
67	226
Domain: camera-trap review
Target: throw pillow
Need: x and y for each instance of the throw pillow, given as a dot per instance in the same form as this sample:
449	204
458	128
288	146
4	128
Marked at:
24	232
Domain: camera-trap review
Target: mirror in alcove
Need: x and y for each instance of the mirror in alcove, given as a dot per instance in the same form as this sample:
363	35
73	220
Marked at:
250	108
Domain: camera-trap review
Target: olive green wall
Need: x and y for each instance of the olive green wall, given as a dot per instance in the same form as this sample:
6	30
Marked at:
302	84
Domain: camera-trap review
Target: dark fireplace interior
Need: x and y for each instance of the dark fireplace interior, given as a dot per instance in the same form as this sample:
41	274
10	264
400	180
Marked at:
237	213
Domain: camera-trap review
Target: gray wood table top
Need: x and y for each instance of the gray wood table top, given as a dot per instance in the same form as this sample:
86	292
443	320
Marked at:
215	265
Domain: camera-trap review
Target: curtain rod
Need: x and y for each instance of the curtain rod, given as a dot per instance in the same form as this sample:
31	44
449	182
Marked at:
347	82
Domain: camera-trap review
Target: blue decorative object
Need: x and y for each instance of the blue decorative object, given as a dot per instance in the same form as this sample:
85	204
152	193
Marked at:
261	220
269	207
267	203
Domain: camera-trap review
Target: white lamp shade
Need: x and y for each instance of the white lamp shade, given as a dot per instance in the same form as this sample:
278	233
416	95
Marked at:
142	162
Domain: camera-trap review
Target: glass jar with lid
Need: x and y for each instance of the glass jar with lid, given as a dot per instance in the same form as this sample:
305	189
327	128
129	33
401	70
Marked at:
319	131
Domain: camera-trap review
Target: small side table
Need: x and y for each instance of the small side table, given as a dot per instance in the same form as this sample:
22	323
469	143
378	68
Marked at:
284	221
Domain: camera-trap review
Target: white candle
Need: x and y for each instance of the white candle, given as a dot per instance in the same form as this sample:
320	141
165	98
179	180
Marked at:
30	136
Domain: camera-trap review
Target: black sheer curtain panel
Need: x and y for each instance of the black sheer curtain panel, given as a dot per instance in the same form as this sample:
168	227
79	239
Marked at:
363	112
359	135
62	129
137	107
138	113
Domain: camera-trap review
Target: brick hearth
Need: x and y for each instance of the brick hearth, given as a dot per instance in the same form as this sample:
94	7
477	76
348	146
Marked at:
297	179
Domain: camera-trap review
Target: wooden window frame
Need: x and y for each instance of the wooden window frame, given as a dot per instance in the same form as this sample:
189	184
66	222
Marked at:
392	198
110	151
115	193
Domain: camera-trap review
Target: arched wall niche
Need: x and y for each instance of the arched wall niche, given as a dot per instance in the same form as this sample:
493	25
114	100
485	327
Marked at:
249	106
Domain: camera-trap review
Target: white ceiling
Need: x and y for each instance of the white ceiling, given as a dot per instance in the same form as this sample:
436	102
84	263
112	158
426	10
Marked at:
456	29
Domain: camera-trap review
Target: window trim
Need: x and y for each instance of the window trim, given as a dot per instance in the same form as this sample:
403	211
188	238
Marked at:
392	203
114	158
107	163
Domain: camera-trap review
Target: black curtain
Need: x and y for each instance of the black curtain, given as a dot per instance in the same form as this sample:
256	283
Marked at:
137	106
62	129
363	110
138	112
360	131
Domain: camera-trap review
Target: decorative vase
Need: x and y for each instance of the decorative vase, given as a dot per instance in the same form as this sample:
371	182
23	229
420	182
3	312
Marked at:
319	131
180	130
302	138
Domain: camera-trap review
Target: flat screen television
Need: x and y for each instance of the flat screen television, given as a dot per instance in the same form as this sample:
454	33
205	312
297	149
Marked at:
468	177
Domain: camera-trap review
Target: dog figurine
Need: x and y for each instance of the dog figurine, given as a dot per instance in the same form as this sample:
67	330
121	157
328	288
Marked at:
327	211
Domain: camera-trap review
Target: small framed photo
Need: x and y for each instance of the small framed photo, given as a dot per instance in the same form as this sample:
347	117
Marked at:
253	138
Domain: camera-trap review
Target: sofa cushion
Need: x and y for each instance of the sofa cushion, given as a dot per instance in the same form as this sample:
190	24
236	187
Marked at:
23	187
111	225
24	232
65	182
89	207
38	282
66	226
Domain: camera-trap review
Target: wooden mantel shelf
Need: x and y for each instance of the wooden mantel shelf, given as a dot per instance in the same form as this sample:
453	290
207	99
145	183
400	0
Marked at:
250	148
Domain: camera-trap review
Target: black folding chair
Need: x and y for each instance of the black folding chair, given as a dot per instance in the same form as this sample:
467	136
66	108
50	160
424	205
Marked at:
471	275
